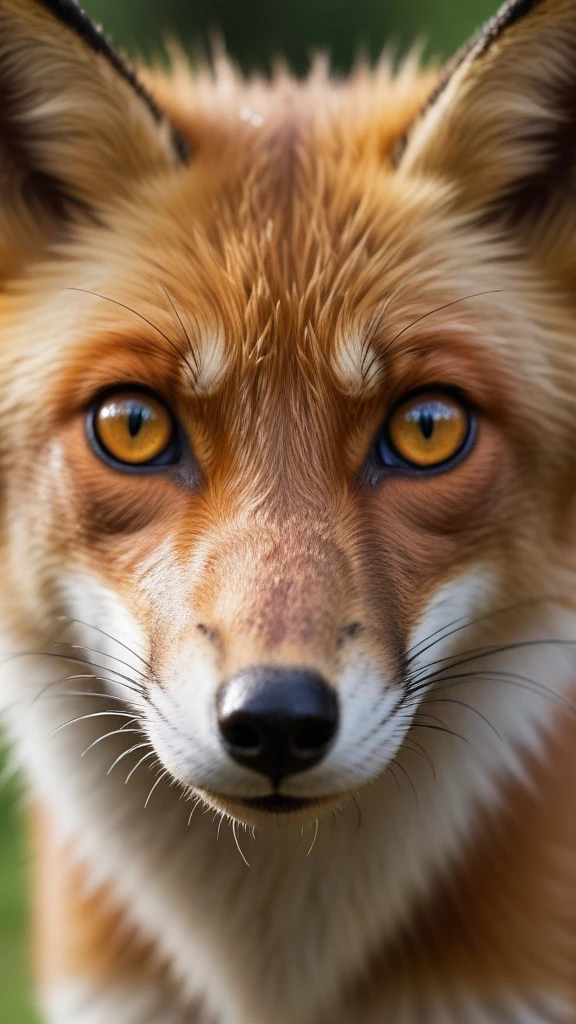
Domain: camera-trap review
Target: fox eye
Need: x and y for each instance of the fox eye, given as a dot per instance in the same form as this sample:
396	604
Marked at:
426	431
133	429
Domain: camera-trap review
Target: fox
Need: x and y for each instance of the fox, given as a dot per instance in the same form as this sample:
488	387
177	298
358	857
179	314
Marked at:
288	543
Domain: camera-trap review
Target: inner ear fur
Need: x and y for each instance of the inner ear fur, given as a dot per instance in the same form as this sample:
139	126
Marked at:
501	126
76	126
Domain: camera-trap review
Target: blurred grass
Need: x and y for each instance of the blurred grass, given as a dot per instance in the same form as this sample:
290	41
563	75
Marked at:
15	985
257	30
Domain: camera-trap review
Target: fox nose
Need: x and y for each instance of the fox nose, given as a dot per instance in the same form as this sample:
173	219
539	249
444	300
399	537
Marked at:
277	721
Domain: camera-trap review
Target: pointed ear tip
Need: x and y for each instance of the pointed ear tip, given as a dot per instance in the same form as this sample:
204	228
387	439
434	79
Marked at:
500	127
495	31
61	173
72	17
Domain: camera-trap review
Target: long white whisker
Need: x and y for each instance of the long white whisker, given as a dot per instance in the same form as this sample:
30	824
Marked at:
118	676
115	732
66	657
137	746
95	714
101	679
91	693
237	841
197	801
90	625
87	675
141	761
101	654
314	839
157	783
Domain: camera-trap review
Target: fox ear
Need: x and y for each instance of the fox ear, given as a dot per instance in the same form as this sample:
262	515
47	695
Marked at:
501	126
76	126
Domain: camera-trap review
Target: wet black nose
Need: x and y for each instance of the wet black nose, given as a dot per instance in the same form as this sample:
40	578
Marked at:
277	721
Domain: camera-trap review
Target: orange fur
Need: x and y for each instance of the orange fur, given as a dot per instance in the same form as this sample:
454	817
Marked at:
324	250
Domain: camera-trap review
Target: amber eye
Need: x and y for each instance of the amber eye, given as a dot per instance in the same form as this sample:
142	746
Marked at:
428	429
133	428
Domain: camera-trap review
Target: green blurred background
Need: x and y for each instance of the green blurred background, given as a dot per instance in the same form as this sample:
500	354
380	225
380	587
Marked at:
254	32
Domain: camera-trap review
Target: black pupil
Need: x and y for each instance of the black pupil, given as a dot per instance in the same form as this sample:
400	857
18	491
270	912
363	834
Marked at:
426	423
135	417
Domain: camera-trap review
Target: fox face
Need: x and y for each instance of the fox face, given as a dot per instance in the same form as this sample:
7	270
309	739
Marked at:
287	413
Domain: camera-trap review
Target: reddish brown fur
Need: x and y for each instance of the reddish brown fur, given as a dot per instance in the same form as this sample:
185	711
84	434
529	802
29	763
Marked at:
281	241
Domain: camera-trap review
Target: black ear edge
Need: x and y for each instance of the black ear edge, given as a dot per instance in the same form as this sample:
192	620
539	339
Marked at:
75	18
508	15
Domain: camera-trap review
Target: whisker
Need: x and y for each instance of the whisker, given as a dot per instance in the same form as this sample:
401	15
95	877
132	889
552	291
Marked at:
64	679
495	673
438	728
197	801
93	693
141	761
90	625
485	652
416	748
196	369
116	302
137	746
429	684
102	654
237	841
467	623
531	686
446	305
411	784
314	839
94	714
432	718
157	783
463	704
390	769
120	679
116	732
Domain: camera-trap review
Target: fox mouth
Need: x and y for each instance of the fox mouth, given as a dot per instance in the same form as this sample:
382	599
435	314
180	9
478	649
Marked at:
277	807
278	804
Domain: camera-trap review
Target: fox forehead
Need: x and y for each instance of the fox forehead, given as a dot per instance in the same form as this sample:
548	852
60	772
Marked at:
286	225
236	266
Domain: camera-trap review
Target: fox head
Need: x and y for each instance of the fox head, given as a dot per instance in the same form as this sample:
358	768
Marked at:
287	415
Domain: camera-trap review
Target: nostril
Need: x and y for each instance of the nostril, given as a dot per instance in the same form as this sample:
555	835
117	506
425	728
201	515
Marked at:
242	736
310	739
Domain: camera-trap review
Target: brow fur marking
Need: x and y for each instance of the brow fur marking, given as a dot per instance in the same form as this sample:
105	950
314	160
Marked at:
356	363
